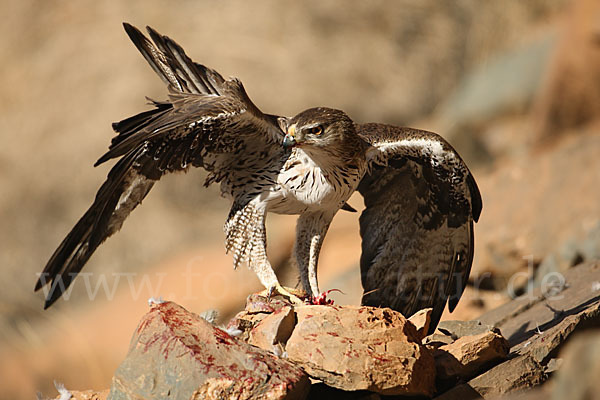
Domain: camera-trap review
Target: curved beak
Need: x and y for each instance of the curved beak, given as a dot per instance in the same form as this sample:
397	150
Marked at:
288	141
290	138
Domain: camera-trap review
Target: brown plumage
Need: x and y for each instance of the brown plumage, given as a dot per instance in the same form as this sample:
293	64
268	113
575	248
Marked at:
421	200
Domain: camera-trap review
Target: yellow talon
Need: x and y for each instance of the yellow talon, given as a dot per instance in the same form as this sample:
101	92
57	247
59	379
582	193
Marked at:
292	295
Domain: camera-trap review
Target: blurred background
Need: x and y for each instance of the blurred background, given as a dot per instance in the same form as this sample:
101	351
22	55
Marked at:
513	85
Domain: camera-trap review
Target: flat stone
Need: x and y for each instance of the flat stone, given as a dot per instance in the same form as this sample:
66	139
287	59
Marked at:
519	373
436	340
458	329
537	323
468	355
176	354
361	348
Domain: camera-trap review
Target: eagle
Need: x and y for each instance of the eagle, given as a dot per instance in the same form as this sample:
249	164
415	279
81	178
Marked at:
420	198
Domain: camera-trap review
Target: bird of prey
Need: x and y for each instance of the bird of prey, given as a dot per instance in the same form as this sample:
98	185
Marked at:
421	199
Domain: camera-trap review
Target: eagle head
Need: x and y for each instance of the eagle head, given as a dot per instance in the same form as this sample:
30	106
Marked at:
318	128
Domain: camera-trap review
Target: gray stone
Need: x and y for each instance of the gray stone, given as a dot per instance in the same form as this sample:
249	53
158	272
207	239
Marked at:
519	373
468	355
537	324
458	329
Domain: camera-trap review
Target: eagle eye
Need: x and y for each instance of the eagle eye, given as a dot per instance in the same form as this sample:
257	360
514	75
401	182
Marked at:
315	130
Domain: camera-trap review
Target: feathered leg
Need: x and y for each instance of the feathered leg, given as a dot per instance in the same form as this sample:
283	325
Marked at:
310	232
246	236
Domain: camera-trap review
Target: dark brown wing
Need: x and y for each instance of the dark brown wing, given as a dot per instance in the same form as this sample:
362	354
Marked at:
417	228
208	122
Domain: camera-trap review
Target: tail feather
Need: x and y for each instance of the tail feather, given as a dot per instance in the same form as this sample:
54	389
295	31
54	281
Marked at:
123	190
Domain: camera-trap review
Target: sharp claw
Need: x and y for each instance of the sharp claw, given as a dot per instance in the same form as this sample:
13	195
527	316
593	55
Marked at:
270	292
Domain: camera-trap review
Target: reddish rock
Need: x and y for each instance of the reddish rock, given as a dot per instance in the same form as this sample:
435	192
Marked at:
468	355
243	322
257	308
176	354
361	348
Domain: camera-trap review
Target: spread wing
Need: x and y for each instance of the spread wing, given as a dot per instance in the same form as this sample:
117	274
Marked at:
417	228
207	122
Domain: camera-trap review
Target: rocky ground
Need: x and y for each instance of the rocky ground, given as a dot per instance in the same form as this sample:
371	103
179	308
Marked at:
272	350
513	86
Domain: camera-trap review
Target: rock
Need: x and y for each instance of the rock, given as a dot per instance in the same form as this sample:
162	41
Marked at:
578	376
320	391
553	365
242	323
541	229
256	303
361	348
537	323
421	320
177	354
458	329
538	393
468	355
519	373
436	340
460	392
257	308
86	395
273	331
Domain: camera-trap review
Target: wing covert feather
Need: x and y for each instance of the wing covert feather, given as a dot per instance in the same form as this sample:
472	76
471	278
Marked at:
417	227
